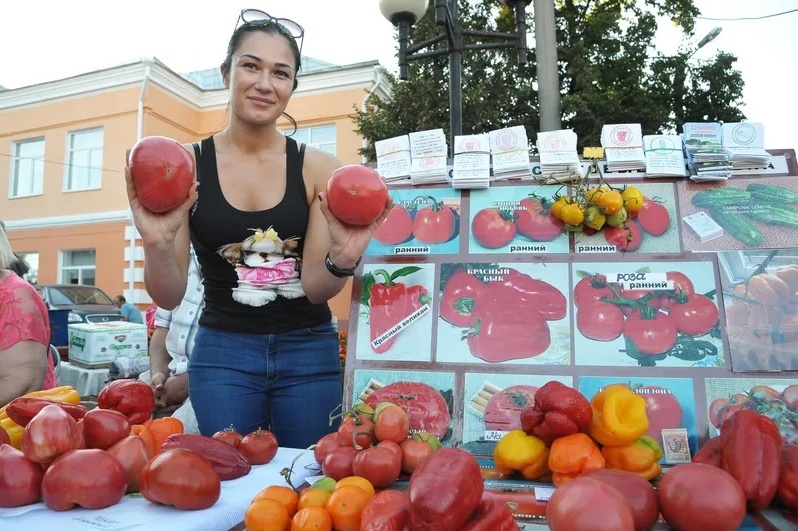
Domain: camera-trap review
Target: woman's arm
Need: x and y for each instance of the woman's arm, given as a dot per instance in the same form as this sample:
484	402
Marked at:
166	268
22	369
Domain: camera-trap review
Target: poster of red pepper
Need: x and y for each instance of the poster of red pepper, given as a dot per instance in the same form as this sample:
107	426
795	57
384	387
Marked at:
515	220
492	313
422	221
395	317
652	314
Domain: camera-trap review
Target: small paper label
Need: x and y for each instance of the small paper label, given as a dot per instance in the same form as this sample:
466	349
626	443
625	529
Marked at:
412	318
675	445
544	493
494	435
647	281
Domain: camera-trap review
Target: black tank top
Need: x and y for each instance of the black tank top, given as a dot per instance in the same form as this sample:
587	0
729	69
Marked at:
251	261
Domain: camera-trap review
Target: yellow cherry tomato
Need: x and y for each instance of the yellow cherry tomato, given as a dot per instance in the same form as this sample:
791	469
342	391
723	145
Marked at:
556	208
632	199
610	201
572	214
594	193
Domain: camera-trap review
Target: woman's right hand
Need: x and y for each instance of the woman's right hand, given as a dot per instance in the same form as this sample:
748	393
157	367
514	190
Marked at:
159	229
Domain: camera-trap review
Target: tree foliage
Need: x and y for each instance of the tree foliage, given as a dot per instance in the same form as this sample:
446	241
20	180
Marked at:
609	72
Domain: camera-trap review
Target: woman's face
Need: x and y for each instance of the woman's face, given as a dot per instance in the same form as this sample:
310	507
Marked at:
261	77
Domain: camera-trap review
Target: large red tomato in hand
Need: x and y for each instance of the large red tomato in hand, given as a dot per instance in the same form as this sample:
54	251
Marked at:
90	478
565	510
50	433
20	479
534	220
695	497
387	511
503	410
397	227
162	171
356	195
491	229
181	478
103	428
434	223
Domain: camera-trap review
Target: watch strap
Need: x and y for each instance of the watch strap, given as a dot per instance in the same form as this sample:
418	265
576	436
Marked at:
338	271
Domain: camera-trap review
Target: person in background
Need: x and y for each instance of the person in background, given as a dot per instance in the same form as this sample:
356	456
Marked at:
18	264
25	361
270	251
129	312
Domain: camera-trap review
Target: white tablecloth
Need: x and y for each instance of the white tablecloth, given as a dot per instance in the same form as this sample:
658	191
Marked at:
138	513
87	382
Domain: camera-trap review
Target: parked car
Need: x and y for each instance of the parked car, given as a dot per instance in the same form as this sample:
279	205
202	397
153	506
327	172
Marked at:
86	304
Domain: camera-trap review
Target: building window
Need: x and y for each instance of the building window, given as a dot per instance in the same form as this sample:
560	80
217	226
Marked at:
78	267
84	160
32	260
27	168
321	137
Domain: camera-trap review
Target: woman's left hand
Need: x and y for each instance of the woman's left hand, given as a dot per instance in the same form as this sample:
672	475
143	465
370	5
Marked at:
349	242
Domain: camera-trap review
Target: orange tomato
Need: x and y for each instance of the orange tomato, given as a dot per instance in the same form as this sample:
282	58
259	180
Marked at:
266	514
313	497
346	507
356	481
312	519
286	496
610	201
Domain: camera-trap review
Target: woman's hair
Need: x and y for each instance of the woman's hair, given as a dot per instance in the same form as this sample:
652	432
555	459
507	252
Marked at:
274	29
7	256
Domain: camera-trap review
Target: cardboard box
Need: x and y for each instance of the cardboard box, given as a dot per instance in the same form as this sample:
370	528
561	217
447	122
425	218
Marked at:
96	345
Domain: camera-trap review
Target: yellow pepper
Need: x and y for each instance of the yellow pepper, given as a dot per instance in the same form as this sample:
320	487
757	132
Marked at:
518	452
572	456
65	394
619	416
14	432
641	457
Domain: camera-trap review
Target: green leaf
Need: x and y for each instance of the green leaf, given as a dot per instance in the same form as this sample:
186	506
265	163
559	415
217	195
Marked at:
404	271
365	291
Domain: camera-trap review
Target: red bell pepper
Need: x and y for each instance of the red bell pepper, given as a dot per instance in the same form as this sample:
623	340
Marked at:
459	298
22	410
548	300
711	453
751	448
390	302
559	410
503	331
491	516
132	398
788	480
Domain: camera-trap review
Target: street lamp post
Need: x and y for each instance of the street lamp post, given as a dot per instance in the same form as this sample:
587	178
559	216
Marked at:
680	76
404	13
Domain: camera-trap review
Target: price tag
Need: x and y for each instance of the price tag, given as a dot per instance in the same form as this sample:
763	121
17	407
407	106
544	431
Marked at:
494	435
544	493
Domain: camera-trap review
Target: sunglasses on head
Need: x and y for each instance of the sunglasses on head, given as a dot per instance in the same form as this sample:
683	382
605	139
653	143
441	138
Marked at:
256	17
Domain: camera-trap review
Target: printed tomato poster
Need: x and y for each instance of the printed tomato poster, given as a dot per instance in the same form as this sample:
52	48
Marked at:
422	221
658	314
622	225
515	219
760	294
742	213
504	313
395	317
774	398
427	397
670	403
493	404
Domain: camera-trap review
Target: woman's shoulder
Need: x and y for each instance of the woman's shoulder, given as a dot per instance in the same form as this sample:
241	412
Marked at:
319	164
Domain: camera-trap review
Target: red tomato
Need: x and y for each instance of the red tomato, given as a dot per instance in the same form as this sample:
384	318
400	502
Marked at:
459	298
564	510
326	444
49	434
162	171
423	403
391	447
102	428
338	463
259	447
356	194
600	321
651	336
387	511
638	492
695	317
534	220
653	218
698	496
20	479
722	408
228	435
132	453
434	223
90	478
662	408
181	478
397	227
592	288
391	423
626	237
491	229
414	452
378	465
764	393
790	397
356	431
503	410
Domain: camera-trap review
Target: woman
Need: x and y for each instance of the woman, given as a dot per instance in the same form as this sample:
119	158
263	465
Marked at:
270	251
25	363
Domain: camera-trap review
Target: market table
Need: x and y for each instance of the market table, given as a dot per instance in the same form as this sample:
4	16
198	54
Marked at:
134	512
87	382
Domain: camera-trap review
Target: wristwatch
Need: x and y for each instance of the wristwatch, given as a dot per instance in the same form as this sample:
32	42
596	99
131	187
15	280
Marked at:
339	272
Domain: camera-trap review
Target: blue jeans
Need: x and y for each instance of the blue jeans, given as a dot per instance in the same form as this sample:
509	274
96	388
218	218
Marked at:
287	383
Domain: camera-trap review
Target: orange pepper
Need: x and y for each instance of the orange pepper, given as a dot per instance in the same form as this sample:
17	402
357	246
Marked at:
14	432
641	457
619	416
519	452
573	455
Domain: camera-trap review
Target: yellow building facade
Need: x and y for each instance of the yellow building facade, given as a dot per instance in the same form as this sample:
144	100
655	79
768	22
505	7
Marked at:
62	154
